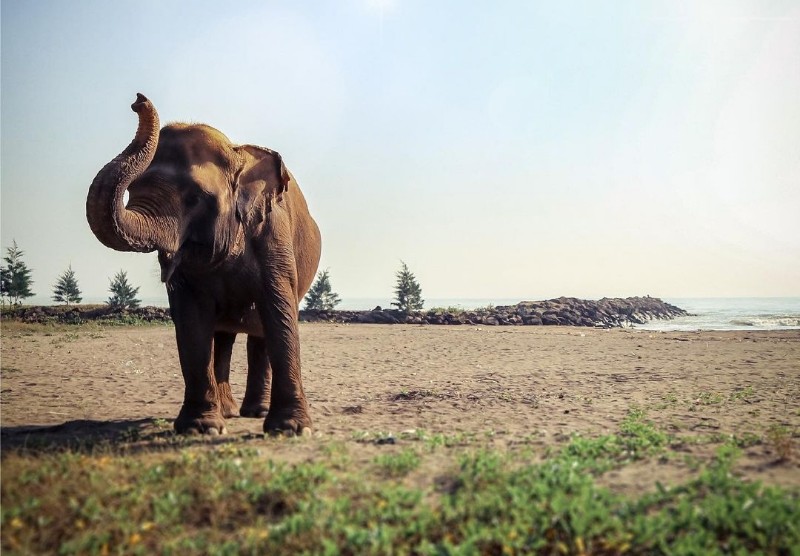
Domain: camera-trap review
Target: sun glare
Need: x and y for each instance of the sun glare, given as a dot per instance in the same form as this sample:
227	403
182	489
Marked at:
381	6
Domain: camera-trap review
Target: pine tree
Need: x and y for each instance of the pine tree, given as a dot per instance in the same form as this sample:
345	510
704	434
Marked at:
15	278
408	294
123	294
320	297
66	289
5	284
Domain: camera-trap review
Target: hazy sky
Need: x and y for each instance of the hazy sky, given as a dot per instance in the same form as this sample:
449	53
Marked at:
501	149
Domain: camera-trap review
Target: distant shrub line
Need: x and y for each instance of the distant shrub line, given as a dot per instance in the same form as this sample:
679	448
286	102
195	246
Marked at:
81	314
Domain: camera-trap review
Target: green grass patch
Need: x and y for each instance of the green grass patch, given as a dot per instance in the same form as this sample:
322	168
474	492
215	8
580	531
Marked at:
362	497
398	464
709	398
638	438
742	394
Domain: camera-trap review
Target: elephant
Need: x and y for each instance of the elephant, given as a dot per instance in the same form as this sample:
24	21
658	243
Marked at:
238	250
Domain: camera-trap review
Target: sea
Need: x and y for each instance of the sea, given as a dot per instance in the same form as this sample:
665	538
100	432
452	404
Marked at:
706	313
732	313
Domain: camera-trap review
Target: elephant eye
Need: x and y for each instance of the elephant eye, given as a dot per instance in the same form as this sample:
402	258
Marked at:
191	200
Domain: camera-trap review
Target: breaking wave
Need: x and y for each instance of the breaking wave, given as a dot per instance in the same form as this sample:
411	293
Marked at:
768	321
733	314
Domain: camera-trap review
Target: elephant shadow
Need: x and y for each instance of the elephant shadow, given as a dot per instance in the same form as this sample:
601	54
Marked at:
89	436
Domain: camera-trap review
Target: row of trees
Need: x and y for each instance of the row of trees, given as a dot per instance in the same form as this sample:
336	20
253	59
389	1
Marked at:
407	292
16	284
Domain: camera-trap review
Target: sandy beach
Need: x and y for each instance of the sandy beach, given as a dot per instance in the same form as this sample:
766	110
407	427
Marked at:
533	385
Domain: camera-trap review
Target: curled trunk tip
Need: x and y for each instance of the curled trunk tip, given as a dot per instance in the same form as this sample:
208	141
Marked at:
140	102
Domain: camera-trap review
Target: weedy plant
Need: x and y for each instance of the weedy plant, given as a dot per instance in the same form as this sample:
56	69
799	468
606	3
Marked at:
780	438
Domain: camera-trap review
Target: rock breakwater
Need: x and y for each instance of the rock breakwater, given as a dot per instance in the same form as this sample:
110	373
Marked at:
564	311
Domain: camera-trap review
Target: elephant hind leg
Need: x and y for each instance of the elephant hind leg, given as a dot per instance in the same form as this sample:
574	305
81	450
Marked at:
223	347
259	379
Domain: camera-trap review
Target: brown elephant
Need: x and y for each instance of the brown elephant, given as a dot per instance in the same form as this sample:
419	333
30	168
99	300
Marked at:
238	250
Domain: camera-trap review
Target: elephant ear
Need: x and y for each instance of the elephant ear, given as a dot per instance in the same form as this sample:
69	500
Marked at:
261	180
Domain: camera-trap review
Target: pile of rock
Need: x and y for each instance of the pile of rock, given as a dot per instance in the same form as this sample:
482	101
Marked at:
565	311
607	312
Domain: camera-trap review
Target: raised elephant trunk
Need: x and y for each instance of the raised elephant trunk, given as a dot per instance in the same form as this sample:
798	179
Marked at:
115	225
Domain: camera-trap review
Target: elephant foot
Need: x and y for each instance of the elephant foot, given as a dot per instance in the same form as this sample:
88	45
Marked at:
289	422
254	410
227	407
196	422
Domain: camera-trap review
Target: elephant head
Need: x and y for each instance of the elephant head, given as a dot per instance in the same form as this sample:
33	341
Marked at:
191	192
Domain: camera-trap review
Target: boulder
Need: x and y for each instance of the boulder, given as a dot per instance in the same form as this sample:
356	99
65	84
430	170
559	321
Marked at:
550	319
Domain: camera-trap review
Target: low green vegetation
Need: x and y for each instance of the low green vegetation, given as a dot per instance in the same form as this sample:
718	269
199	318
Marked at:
709	398
414	493
451	309
398	464
637	439
26	319
780	438
458	310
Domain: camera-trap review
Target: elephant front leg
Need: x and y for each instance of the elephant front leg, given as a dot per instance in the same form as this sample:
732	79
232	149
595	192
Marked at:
201	409
259	377
288	408
223	348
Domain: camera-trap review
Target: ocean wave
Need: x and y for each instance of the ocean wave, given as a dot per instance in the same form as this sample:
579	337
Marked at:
768	321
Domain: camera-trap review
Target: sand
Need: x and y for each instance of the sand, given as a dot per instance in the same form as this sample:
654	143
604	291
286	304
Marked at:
515	385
